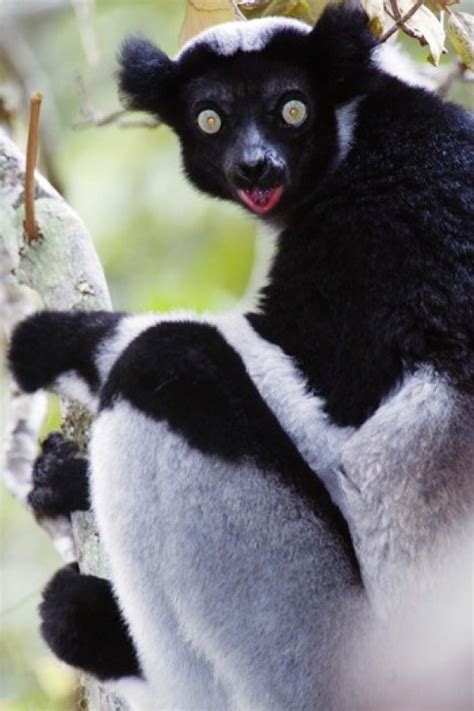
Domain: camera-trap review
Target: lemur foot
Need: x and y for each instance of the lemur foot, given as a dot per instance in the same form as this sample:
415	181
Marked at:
83	626
60	479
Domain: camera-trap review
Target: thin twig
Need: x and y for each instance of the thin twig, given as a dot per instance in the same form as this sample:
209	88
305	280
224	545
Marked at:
400	19
455	72
84	10
92	117
31	228
115	119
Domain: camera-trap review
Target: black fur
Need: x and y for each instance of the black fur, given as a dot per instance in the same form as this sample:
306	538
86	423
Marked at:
71	338
83	626
375	276
147	77
60	479
339	51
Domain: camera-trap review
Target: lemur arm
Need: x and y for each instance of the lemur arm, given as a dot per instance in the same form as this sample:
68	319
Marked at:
57	351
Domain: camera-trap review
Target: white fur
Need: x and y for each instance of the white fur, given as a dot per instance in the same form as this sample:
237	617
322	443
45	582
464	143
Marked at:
127	330
136	691
265	252
229	38
73	387
300	413
222	573
346	117
123	464
391	59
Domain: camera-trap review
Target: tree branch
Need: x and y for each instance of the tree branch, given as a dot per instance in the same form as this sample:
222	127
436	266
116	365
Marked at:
92	117
64	272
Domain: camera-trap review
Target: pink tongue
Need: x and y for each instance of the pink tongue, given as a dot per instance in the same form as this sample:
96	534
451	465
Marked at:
261	200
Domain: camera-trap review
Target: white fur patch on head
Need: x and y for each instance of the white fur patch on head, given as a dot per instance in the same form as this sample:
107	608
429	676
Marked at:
393	60
250	36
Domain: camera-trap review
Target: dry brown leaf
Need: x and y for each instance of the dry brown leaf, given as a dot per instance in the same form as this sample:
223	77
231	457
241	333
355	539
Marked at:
305	10
426	28
376	14
437	5
201	14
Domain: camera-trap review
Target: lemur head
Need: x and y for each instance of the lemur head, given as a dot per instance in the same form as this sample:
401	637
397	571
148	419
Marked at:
256	104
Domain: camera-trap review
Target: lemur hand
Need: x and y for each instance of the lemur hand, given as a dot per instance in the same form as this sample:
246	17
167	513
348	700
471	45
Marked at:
60	479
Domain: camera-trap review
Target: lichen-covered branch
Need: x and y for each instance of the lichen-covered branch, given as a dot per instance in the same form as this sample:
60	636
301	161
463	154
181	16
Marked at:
25	414
63	271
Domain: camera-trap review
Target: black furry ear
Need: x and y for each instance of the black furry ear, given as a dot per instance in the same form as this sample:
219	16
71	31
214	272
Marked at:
146	77
340	48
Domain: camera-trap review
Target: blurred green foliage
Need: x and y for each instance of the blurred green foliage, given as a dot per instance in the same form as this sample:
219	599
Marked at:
162	245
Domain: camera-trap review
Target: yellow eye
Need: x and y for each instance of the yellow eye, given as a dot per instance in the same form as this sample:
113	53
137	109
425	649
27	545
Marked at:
294	112
209	121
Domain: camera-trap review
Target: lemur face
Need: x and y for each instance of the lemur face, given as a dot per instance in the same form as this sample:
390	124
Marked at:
255	104
249	133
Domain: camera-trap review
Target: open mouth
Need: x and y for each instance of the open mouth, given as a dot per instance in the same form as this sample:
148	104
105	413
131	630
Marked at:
261	200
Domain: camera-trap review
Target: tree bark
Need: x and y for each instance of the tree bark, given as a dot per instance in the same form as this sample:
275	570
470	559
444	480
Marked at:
63	271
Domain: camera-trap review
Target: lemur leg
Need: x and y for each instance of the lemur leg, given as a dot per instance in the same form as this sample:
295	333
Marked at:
217	530
60	479
407	483
82	624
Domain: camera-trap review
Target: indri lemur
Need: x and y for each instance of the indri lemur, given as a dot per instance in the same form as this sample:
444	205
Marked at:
261	480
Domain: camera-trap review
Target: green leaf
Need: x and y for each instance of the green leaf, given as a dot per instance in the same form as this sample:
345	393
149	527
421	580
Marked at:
460	30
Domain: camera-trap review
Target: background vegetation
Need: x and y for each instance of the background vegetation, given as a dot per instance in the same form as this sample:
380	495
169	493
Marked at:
162	245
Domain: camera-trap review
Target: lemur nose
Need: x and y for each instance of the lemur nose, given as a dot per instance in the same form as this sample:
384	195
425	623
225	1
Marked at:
252	171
